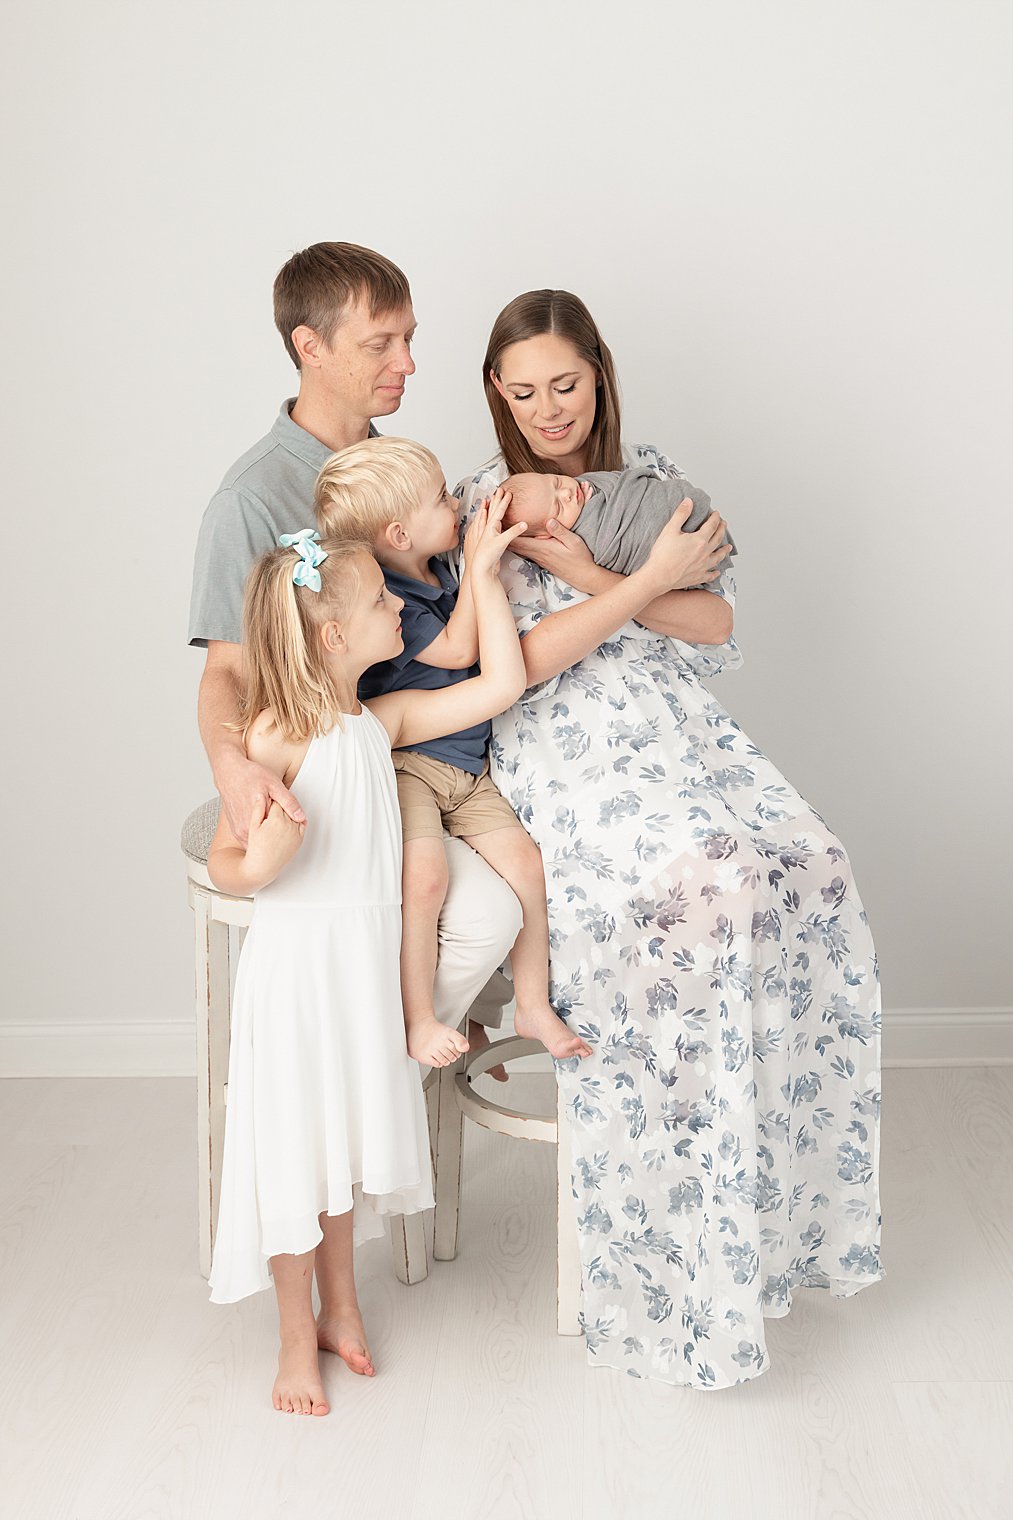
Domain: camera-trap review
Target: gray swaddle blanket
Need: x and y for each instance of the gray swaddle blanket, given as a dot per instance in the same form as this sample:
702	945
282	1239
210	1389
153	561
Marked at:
628	509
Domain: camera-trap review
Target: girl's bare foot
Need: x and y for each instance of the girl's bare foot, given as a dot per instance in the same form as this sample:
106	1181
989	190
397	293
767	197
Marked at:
540	1022
481	1041
298	1388
342	1332
432	1043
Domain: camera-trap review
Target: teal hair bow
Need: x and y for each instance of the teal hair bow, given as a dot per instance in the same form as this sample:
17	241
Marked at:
305	544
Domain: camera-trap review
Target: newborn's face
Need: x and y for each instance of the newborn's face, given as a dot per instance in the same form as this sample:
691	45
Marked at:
536	498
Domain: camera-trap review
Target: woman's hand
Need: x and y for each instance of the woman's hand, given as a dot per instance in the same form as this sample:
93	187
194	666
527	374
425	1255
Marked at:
680	560
564	554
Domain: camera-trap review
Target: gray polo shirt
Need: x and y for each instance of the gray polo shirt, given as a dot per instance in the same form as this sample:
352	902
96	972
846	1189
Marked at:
269	491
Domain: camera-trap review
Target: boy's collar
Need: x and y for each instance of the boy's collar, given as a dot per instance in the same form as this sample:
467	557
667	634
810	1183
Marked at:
396	580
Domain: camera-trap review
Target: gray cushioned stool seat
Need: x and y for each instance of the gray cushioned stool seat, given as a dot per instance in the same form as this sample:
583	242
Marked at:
199	830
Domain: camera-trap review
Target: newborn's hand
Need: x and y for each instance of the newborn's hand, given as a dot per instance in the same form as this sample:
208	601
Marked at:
563	554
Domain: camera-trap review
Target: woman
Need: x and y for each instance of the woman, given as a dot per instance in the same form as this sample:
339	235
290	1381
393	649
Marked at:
707	939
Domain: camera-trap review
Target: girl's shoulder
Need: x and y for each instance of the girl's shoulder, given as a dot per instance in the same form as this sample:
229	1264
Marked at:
270	747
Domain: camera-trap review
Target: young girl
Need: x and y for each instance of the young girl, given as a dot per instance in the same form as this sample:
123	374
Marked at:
326	1129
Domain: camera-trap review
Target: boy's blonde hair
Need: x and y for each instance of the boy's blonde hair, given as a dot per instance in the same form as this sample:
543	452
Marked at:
369	485
283	663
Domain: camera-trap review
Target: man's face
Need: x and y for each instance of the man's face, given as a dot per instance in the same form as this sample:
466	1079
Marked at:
367	361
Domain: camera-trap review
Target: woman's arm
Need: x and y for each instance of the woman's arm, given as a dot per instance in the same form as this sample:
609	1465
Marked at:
564	637
696	616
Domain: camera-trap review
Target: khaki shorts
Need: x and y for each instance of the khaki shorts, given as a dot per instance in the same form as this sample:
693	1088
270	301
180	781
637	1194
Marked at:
435	796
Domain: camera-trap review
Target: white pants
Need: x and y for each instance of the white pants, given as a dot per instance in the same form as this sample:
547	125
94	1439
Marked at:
479	922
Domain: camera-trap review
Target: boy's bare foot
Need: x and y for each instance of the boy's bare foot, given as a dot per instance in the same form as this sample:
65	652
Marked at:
480	1041
432	1043
342	1332
298	1388
541	1023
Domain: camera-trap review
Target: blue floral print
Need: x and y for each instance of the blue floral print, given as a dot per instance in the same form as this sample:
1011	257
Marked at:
708	942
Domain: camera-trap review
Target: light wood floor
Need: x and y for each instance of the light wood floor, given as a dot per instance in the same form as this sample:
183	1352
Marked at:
127	1396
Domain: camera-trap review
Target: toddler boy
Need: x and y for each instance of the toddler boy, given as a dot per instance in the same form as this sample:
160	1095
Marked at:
392	493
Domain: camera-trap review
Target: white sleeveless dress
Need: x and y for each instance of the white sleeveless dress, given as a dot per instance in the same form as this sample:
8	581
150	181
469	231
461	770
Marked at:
325	1108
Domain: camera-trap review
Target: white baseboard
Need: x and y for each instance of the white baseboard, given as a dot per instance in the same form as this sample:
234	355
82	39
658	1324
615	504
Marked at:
166	1048
72	1048
948	1037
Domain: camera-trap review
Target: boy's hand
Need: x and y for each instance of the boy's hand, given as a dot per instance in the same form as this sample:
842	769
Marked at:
491	539
271	842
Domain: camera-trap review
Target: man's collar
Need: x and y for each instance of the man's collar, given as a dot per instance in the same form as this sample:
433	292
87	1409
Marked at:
301	443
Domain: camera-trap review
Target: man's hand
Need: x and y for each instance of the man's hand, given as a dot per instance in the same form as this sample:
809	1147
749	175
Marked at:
249	790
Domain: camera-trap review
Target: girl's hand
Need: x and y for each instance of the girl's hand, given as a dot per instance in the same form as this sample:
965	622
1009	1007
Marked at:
680	560
565	554
491	539
473	532
272	841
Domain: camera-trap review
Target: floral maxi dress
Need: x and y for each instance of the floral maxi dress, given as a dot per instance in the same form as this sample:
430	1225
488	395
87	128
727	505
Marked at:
709	943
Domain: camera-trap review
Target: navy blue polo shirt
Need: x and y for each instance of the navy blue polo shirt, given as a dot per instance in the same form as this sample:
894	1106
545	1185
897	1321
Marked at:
425	615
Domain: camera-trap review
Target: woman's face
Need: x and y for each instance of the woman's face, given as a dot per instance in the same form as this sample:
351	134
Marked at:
552	394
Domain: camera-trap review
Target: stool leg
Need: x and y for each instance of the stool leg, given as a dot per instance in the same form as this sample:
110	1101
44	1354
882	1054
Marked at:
449	1145
568	1274
407	1231
213	998
408	1245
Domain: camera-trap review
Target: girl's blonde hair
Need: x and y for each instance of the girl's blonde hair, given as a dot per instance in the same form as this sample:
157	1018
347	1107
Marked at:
283	662
369	485
532	315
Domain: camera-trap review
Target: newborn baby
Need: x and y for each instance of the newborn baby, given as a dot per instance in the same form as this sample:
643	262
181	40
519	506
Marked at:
618	513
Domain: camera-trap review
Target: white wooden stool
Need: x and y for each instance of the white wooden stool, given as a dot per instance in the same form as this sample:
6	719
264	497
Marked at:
455	1101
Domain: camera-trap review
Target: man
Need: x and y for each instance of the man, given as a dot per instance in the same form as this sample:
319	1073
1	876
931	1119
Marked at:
345	316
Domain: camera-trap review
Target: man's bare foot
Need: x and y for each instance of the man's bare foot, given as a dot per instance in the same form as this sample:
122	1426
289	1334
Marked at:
541	1023
432	1043
480	1041
342	1333
298	1388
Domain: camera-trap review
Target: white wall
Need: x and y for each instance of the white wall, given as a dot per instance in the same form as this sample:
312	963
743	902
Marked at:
792	223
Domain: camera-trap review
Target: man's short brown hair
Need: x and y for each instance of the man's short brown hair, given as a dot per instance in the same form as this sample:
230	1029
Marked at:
315	286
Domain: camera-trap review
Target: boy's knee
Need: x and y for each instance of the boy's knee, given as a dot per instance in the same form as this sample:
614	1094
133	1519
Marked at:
527	872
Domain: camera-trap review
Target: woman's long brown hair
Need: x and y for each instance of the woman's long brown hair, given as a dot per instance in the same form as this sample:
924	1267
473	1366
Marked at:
531	315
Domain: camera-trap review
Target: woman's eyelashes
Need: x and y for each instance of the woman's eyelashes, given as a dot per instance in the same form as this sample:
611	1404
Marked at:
560	391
